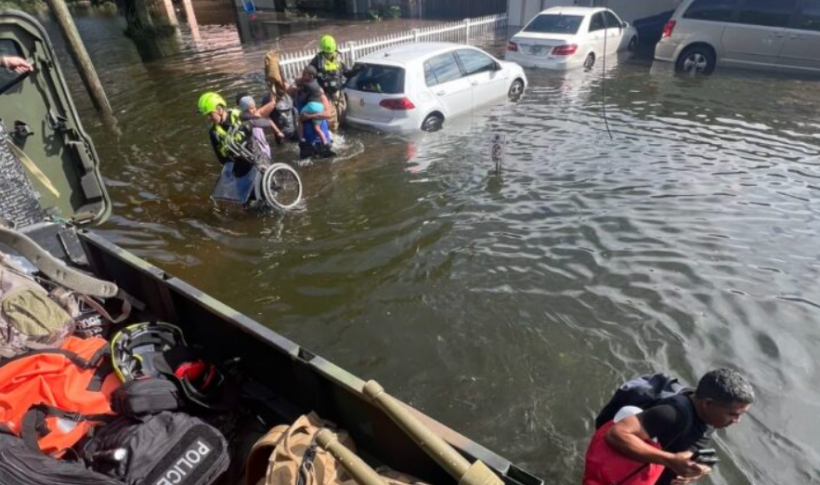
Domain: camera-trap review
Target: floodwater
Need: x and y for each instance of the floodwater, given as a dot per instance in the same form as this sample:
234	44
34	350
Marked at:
510	305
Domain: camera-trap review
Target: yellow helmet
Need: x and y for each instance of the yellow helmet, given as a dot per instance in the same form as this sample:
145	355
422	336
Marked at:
328	44
208	103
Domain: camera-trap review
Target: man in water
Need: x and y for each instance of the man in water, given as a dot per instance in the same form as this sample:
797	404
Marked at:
331	72
312	104
682	424
315	138
229	132
16	64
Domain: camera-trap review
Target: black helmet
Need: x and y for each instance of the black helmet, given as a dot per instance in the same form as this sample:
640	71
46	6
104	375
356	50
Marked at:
159	350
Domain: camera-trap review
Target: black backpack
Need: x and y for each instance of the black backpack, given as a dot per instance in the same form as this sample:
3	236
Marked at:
284	116
20	465
166	448
643	392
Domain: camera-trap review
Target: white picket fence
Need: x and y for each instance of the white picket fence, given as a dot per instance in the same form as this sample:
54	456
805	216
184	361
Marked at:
469	31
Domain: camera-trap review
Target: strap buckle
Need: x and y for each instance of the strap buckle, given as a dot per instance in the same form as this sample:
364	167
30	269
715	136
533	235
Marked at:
73	416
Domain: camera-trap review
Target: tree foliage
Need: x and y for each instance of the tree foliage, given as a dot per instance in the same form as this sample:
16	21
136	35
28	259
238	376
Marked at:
31	6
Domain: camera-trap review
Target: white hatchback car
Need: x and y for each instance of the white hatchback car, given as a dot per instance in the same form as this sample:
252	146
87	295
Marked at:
418	86
570	37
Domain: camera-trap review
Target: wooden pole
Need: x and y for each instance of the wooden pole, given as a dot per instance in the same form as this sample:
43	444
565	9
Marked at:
190	15
168	7
80	56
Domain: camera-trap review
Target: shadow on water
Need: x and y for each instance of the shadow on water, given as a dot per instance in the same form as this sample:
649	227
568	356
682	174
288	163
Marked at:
509	305
152	49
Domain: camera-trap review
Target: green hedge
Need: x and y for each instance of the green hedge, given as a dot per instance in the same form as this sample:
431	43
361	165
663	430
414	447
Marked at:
31	6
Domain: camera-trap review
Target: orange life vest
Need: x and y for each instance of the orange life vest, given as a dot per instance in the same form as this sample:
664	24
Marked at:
604	465
51	398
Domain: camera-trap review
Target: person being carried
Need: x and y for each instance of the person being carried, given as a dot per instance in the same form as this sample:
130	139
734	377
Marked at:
331	73
313	103
250	113
683	424
16	64
228	131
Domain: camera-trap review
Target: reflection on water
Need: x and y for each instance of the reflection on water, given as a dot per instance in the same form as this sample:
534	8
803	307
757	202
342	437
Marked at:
510	305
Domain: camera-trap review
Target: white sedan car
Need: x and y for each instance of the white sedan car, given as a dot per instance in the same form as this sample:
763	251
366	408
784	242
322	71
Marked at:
419	86
570	37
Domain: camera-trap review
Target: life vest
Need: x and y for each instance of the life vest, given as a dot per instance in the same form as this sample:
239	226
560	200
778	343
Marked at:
330	73
224	136
329	64
51	398
604	465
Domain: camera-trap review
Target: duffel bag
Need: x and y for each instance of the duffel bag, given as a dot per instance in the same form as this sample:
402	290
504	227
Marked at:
163	449
289	455
52	398
33	316
287	452
29	317
22	466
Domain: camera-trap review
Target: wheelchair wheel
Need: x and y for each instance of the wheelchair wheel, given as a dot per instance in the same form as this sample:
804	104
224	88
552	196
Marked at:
282	186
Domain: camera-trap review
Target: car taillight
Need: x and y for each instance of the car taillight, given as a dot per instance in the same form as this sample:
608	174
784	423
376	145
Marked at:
512	46
669	28
399	104
565	50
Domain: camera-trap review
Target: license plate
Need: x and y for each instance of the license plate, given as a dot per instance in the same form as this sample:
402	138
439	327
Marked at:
536	50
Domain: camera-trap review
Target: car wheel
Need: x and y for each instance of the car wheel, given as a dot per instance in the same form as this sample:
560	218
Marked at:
633	44
433	122
516	90
697	60
589	61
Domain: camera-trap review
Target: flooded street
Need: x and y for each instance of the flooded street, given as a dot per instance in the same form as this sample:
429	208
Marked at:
508	306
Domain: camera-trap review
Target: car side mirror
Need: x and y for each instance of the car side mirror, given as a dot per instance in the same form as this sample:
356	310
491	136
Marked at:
497	67
625	25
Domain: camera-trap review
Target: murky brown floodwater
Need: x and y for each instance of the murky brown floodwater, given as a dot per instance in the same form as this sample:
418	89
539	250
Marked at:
509	306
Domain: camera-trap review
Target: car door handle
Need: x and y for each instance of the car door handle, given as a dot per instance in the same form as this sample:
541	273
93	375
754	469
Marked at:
779	36
795	37
474	83
441	93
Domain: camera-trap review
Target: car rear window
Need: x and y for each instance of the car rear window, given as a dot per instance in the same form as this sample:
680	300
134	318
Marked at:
555	24
717	10
441	69
375	78
475	62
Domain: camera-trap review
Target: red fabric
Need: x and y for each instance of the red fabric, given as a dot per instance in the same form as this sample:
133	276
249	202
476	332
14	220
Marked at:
54	380
604	465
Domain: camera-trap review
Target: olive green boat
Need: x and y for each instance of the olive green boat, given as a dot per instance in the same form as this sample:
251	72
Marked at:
52	191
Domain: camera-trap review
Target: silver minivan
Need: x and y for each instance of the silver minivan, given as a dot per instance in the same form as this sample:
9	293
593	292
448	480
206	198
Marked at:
774	35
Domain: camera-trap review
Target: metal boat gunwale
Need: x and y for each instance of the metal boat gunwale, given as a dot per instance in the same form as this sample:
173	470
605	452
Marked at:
298	375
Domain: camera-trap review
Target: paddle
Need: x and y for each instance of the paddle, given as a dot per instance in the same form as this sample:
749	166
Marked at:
355	466
445	455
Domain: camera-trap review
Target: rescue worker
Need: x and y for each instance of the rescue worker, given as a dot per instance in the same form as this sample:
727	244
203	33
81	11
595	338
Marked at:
227	127
332	71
